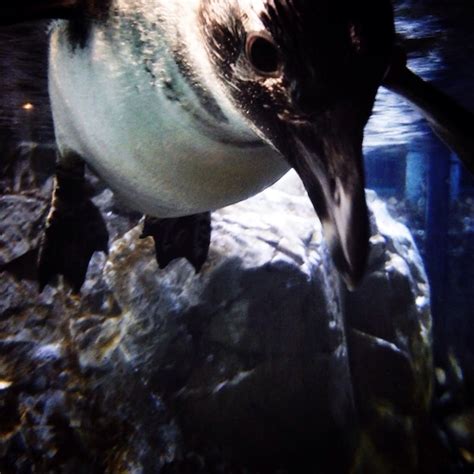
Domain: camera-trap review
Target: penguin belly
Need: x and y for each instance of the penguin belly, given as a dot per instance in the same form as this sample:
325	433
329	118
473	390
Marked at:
152	150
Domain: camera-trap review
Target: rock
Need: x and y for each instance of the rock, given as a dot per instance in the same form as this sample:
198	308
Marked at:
263	361
461	429
389	335
21	219
28	166
230	347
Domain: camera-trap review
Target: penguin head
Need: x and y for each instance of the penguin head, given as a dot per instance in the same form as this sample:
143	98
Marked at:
305	75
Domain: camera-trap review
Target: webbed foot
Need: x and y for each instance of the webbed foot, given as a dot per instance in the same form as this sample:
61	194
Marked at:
74	231
187	237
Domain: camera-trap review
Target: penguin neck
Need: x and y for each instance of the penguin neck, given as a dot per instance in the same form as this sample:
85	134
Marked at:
164	38
186	39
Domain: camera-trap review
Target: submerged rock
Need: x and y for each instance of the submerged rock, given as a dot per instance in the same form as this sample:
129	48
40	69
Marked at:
261	362
20	219
251	352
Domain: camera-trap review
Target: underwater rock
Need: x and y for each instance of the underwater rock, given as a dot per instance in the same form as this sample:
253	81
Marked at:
27	167
389	317
261	361
21	217
252	350
461	429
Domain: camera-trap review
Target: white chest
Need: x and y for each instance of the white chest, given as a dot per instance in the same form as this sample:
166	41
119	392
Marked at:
155	152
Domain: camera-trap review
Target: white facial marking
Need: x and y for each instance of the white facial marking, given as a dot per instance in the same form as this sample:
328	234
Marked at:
251	11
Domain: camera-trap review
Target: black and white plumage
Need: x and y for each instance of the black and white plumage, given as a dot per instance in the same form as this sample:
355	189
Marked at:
142	104
185	106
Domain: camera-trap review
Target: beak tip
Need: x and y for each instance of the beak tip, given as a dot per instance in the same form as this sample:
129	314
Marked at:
352	276
350	259
353	280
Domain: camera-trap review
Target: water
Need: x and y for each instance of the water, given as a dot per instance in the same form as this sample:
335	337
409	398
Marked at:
422	181
23	80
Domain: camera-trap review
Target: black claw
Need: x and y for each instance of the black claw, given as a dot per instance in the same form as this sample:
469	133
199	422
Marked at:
71	237
187	237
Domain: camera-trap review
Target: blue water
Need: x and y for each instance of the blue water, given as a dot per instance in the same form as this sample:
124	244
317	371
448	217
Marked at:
423	182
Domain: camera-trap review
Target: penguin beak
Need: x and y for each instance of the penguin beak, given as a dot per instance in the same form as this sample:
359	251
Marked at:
331	168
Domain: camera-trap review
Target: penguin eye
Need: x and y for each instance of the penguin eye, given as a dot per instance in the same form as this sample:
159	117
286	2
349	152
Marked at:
263	55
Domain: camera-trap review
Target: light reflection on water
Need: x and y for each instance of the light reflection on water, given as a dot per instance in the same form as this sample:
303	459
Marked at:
393	121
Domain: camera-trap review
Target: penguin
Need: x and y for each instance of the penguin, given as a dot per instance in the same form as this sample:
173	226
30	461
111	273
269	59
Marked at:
186	106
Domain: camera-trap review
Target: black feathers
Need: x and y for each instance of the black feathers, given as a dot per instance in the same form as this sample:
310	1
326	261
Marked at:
187	237
80	13
224	34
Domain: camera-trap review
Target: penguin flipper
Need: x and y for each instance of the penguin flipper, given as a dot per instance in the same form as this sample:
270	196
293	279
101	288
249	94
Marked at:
187	237
453	123
74	230
17	11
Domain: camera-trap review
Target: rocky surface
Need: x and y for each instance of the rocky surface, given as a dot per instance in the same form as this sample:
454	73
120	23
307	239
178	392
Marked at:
263	362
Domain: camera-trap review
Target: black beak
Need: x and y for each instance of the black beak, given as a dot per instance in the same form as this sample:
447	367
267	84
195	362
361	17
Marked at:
328	159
